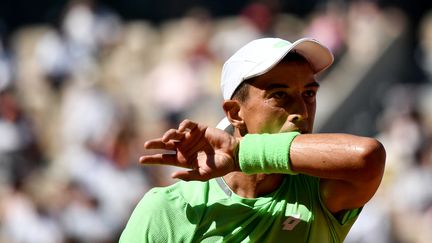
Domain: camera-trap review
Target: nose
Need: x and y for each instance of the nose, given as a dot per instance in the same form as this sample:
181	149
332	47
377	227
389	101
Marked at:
295	118
298	112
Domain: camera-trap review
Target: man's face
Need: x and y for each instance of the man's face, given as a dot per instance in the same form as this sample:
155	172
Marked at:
281	100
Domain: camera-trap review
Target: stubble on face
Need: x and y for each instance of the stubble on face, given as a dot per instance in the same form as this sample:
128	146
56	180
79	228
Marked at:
281	100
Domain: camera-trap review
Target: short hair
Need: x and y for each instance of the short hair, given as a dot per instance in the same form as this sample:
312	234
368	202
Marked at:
241	93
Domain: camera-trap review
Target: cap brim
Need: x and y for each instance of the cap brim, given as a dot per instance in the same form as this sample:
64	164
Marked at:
225	125
319	56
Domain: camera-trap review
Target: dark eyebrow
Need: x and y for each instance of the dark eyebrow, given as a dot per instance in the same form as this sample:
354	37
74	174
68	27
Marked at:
278	86
312	84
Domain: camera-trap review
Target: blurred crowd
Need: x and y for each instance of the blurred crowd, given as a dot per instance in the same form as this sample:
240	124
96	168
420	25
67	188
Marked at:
79	98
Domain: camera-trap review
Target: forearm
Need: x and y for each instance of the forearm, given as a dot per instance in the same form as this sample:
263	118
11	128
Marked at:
337	156
331	156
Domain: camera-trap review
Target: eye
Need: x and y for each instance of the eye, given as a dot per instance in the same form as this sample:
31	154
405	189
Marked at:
310	95
279	95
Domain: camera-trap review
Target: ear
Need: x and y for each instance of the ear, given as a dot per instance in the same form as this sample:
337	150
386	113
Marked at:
233	112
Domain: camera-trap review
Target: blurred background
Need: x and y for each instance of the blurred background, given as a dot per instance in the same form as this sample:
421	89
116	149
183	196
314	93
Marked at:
84	83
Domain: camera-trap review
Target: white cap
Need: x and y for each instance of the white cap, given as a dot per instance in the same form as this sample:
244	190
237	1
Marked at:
261	55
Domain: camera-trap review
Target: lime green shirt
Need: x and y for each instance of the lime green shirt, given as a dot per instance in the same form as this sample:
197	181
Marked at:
211	212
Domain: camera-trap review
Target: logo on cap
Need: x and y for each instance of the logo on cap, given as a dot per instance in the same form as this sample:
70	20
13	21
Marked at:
281	44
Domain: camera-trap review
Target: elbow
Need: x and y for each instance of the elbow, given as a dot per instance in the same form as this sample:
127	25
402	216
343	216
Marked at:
373	156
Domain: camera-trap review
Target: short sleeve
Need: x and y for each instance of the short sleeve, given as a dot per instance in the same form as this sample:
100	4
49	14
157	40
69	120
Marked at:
339	226
346	218
326	227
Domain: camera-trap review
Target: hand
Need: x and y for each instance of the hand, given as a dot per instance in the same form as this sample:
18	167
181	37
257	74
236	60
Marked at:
208	152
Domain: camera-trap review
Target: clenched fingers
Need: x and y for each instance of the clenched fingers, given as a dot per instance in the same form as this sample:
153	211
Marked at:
168	159
159	144
172	134
187	125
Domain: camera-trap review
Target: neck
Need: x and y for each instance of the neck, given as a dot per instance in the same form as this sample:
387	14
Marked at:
253	186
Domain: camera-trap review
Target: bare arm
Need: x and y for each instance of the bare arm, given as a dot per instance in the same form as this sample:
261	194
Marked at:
351	167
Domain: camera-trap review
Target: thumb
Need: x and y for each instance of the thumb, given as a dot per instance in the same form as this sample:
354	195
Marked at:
188	175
